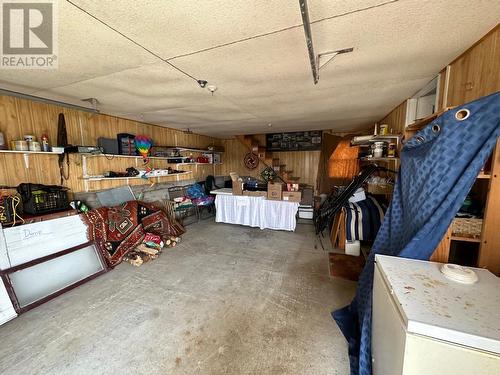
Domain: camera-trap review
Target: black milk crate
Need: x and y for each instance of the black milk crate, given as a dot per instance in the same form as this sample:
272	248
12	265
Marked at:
42	199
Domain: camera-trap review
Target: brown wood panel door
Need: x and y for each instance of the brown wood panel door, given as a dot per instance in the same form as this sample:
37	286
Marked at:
489	251
442	252
459	80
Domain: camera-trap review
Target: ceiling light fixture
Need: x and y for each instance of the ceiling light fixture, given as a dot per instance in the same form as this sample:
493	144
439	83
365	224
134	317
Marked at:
212	89
202	83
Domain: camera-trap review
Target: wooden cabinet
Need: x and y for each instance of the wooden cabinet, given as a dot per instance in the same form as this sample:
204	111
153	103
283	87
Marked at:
489	242
472	75
476	72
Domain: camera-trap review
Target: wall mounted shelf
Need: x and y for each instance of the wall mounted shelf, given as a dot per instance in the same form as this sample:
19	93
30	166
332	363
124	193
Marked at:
484	175
179	148
26	154
29	152
99	178
112	156
379	159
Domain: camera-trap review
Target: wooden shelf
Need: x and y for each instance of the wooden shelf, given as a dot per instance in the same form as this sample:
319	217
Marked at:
112	156
99	178
484	175
377	138
195	163
30	152
379	159
179	148
419	124
465	239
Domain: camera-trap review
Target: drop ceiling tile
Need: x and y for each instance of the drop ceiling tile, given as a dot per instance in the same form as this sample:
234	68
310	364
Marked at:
326	8
175	27
398	47
147	88
409	38
396	51
87	49
218	111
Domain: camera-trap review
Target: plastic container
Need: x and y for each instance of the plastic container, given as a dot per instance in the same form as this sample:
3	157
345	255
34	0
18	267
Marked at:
378	150
42	199
353	248
359	195
384	129
45	143
21	145
306	212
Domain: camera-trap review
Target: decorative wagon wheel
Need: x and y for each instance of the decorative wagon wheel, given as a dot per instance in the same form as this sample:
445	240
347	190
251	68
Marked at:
251	160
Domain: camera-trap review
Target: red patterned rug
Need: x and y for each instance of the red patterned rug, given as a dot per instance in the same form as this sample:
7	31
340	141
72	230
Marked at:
119	229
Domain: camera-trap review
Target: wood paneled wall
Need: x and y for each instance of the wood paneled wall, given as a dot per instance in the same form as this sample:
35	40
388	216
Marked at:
232	161
20	116
472	75
476	72
396	119
303	163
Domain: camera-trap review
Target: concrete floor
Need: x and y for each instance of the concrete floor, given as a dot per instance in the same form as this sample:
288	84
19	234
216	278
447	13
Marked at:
227	300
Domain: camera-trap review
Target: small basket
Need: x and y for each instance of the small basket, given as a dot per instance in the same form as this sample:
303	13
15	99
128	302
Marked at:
465	227
43	199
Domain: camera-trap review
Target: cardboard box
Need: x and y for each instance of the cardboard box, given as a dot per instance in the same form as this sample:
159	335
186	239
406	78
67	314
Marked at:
237	188
255	193
274	190
292	196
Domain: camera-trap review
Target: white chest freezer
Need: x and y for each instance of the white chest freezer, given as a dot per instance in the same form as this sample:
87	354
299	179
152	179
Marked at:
426	323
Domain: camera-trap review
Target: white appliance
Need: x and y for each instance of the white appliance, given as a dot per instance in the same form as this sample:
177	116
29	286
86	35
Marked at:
7	311
306	212
425	323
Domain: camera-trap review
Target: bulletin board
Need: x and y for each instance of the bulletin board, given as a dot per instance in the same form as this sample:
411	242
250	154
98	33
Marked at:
295	141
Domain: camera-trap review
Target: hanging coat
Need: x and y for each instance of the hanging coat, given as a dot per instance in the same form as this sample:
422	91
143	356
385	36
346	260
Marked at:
438	168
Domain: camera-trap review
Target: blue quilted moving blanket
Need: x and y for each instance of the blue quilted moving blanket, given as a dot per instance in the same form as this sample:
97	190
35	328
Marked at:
438	167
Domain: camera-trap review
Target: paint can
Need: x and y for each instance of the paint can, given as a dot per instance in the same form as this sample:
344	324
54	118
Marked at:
391	150
378	149
21	145
34	146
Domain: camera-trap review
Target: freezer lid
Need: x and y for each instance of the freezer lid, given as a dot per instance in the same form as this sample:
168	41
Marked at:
434	306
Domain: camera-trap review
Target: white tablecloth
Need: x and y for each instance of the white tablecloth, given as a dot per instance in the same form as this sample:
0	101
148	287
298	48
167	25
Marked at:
256	212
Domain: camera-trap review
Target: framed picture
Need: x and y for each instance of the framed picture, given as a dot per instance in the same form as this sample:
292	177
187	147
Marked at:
296	141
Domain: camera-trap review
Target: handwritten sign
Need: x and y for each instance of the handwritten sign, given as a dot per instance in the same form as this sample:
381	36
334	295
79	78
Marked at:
33	241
